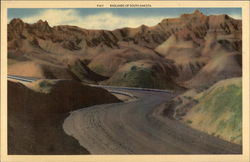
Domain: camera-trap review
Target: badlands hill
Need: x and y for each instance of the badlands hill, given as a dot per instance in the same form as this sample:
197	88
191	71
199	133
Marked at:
216	111
180	52
36	113
196	52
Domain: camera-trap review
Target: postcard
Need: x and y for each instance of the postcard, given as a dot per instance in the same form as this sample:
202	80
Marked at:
125	81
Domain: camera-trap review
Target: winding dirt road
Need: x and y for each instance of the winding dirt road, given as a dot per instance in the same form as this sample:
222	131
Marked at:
134	128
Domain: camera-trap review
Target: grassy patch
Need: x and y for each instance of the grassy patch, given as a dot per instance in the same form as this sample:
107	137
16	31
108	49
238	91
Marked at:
136	77
143	77
42	86
219	110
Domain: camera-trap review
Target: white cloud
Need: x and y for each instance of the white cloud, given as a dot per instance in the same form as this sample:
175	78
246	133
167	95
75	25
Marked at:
106	20
97	21
54	16
235	16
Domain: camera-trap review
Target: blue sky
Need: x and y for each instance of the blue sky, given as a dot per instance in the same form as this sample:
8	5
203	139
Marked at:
109	18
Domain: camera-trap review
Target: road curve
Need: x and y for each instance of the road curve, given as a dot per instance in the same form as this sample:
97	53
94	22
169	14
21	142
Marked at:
133	128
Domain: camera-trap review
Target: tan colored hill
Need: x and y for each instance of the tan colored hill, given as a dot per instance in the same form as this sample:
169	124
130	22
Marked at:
219	68
194	51
36	114
76	70
39	70
191	41
107	63
196	44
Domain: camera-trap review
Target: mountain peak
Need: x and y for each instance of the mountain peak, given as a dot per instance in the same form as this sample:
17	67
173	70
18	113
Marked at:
42	22
16	21
197	12
43	25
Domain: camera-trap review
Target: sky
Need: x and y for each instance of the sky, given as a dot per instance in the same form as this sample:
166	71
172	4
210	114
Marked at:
109	18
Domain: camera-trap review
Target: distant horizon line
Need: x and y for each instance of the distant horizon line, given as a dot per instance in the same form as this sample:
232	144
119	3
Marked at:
44	21
111	19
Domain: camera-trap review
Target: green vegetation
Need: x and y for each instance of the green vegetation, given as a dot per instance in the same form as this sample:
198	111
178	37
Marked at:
139	77
42	86
219	110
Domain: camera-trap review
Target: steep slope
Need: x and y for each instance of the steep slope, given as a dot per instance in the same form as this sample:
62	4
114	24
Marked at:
219	68
76	70
35	117
192	41
81	71
194	51
38	70
108	63
145	74
216	111
194	45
